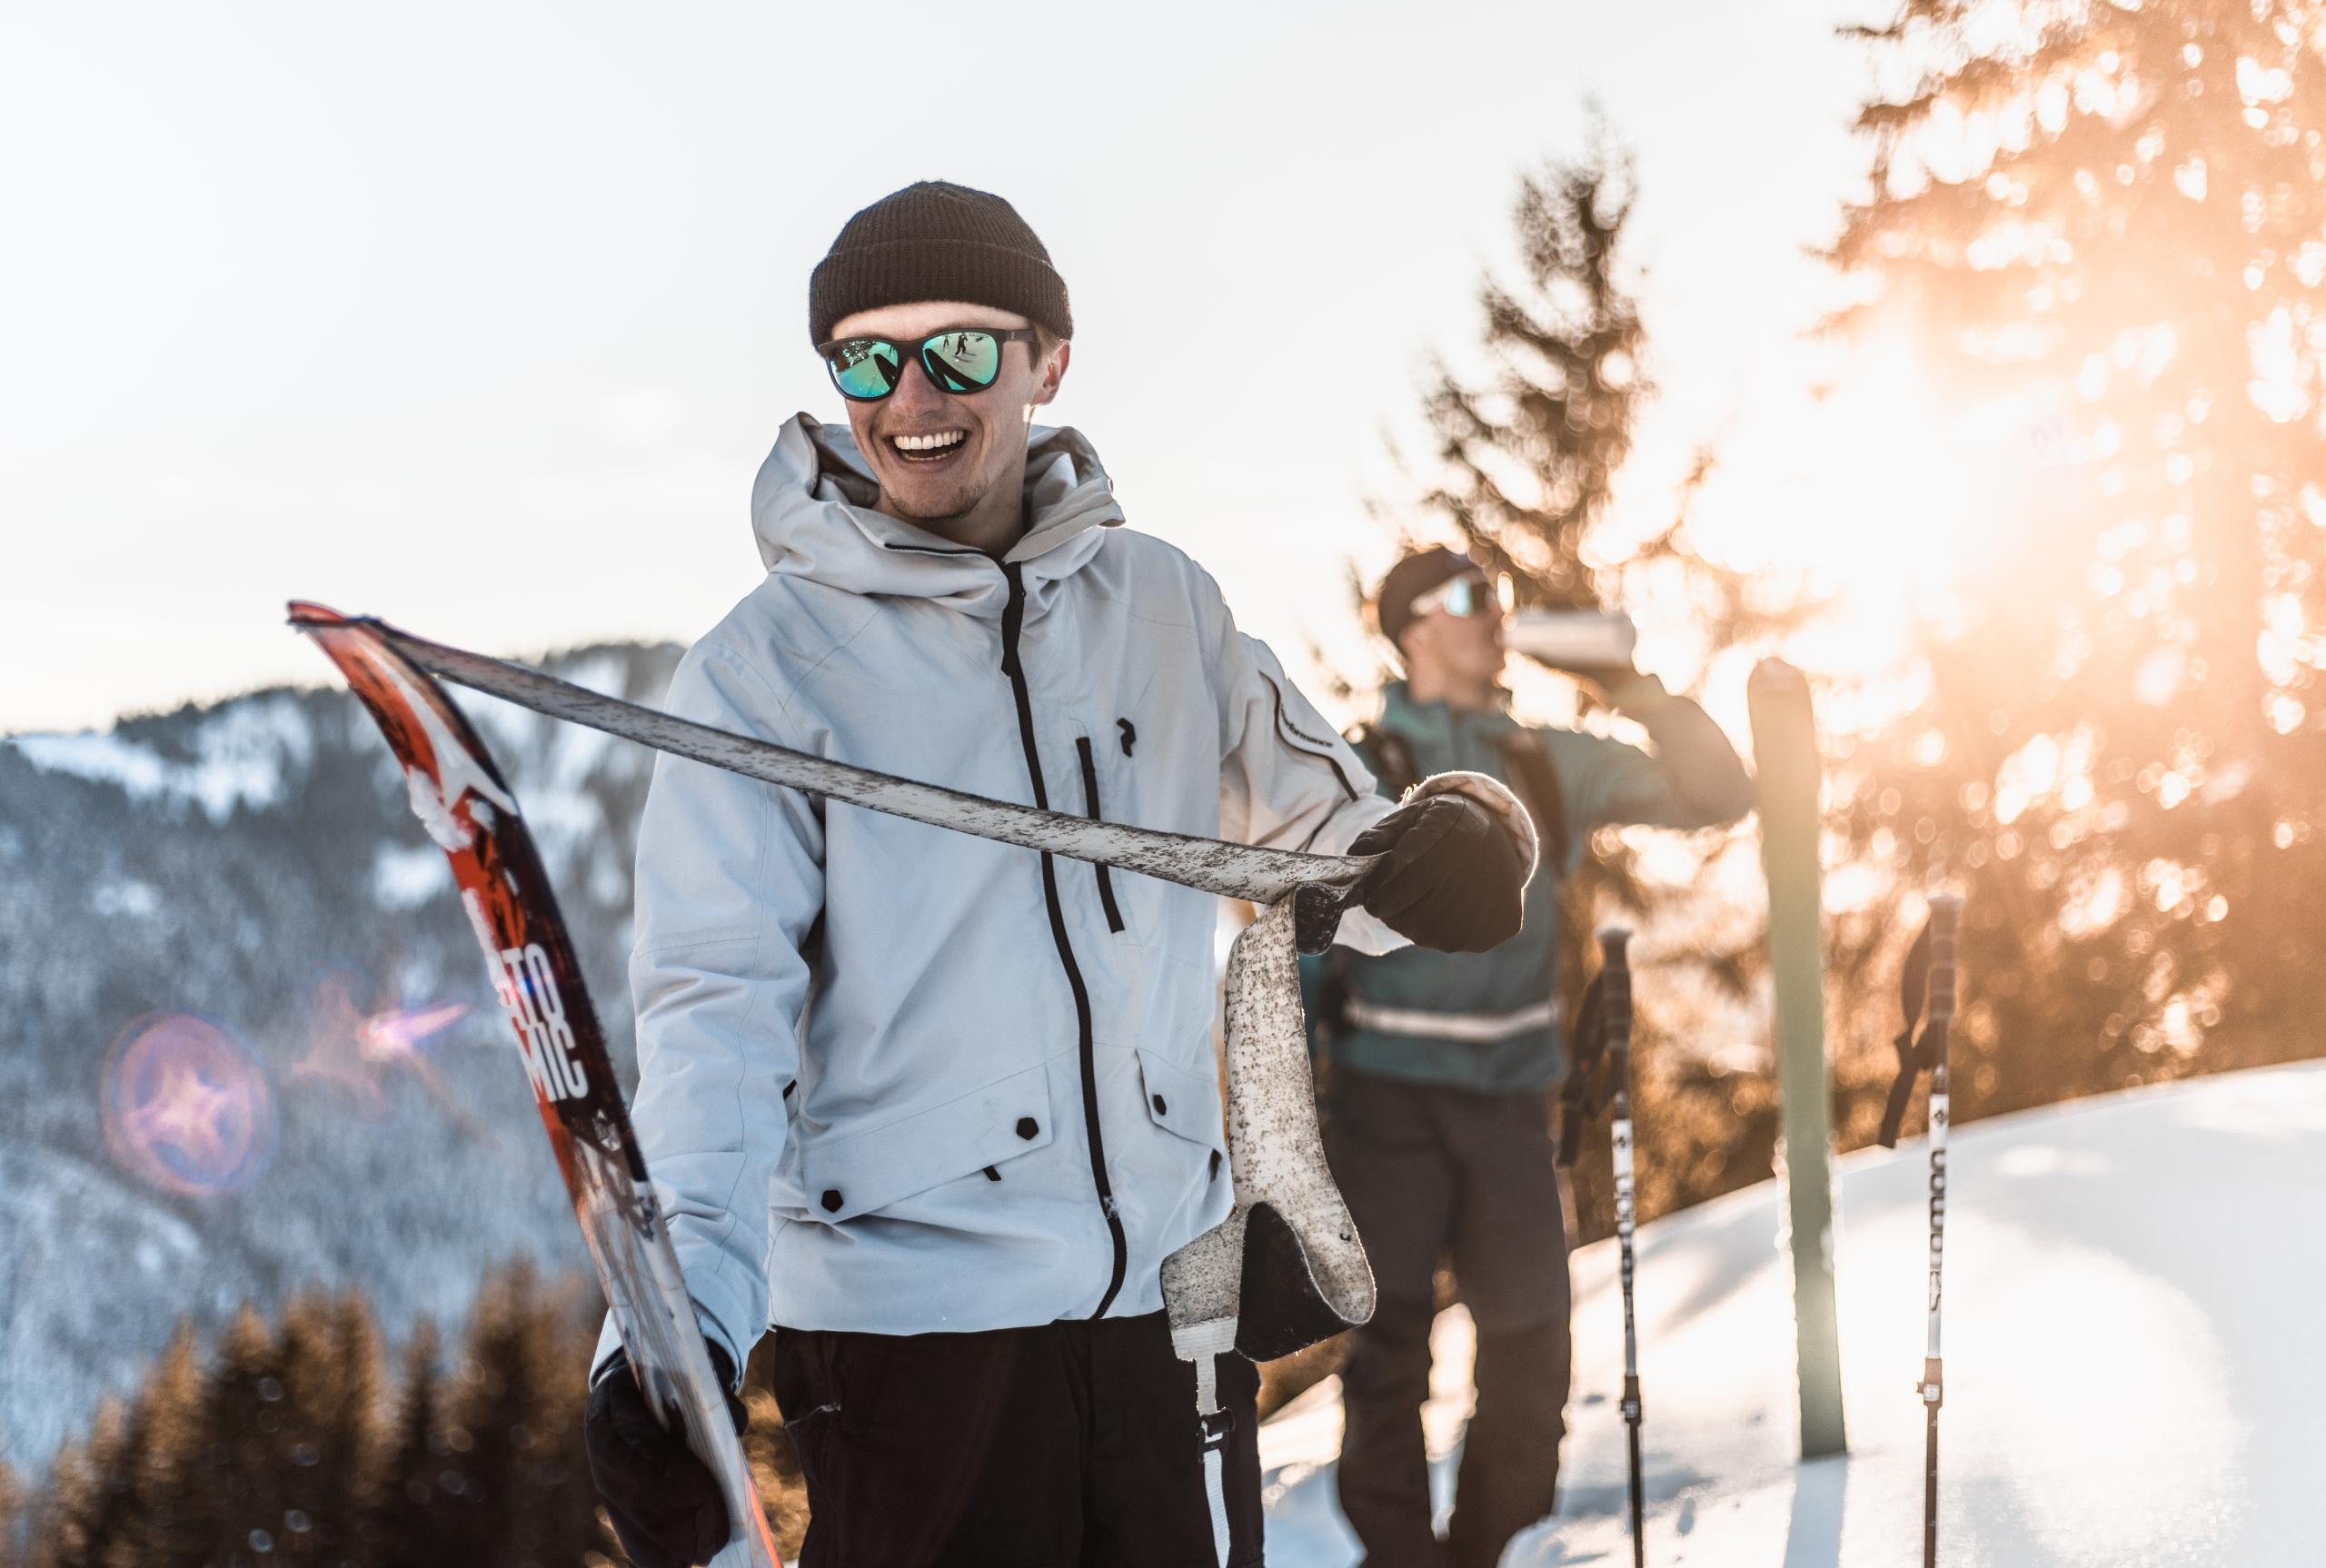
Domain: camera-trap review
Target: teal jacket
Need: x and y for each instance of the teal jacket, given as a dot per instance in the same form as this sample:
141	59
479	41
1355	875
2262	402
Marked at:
1490	1022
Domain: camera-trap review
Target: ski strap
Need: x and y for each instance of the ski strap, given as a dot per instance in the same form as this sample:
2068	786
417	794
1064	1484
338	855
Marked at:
1531	772
1263	876
1286	1268
1915	1055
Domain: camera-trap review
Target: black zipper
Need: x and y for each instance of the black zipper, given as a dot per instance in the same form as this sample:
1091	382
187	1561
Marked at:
1013	624
1090	807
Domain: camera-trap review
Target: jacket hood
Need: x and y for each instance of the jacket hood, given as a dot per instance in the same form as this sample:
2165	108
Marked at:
813	510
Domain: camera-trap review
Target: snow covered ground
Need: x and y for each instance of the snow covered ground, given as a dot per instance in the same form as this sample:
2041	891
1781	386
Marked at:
2134	1369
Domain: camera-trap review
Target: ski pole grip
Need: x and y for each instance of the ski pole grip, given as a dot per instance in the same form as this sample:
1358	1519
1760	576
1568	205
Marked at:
1945	917
1616	987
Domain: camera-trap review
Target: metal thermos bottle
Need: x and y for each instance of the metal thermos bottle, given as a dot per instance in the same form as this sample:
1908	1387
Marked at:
1571	639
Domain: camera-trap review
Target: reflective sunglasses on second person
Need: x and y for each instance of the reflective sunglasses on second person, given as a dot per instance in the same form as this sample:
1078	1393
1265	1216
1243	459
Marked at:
958	360
1464	596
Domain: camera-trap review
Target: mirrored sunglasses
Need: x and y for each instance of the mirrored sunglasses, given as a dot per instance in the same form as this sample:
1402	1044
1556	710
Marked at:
1464	596
958	360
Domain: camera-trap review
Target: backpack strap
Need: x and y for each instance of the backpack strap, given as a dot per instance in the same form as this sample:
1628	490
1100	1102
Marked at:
1389	756
1584	1094
1528	762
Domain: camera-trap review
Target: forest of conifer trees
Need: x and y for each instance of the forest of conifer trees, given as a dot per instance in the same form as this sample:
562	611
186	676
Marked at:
305	1440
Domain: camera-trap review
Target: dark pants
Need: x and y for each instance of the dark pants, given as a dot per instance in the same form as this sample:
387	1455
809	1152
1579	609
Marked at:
1070	1444
1427	1170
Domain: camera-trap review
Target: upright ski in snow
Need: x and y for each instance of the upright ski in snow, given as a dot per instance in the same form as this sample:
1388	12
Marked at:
471	814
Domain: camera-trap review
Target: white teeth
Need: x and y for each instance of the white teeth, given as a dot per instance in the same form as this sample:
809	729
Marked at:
936	441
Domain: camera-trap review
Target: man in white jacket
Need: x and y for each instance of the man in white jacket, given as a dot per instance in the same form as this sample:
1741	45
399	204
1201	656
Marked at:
935	1109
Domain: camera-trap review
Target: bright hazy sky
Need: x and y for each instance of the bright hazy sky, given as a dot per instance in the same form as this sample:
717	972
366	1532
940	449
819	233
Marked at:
481	317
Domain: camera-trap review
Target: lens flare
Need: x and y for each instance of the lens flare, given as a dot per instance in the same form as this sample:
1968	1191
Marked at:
336	1054
400	1031
357	1052
187	1107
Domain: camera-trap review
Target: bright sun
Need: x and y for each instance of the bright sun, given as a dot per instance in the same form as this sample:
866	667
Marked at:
1879	495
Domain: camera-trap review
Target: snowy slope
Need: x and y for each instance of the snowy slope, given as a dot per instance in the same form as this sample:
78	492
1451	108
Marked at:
255	862
2133	1364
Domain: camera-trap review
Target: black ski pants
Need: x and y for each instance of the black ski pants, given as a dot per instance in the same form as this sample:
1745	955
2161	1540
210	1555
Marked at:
1074	1444
1428	1170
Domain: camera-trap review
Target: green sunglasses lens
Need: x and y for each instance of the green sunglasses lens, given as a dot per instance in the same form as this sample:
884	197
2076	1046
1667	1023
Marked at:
1465	596
963	362
866	368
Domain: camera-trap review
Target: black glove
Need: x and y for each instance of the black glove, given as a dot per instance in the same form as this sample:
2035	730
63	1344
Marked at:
664	1502
1454	878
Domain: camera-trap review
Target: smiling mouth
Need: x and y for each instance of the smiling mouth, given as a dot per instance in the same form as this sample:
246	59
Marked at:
928	446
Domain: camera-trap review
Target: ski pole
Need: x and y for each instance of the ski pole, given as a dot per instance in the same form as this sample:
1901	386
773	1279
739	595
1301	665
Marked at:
1615	1023
1945	909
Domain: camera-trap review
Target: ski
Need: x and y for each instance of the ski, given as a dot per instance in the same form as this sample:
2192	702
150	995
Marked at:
468	808
1246	871
1615	1016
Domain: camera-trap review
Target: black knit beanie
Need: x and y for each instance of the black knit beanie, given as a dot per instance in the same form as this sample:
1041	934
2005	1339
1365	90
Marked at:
937	241
1414	575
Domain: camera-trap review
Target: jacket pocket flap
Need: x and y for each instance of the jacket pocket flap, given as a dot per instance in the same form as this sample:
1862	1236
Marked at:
867	1172
1181	1101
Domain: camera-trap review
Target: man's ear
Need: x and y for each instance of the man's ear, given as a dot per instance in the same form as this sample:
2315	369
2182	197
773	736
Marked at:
1404	643
1053	372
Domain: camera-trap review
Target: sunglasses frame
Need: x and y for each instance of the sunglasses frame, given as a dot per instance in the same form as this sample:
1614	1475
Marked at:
910	350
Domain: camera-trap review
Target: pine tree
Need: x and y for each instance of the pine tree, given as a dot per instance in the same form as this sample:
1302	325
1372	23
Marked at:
48	1513
63	1515
1529	463
103	1505
2115	212
88	1504
164	1505
236	1504
505	1478
1530	459
14	1549
405	1527
327	1456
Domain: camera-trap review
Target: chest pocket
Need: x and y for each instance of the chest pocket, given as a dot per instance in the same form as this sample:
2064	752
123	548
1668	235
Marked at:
1106	755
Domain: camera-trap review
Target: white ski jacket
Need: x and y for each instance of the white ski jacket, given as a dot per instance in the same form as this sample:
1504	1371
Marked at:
897	1079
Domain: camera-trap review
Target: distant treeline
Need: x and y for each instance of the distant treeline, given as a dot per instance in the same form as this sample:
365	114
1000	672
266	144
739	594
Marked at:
304	1440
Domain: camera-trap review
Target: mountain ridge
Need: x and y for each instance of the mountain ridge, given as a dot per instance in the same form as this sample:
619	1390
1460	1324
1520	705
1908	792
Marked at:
253	863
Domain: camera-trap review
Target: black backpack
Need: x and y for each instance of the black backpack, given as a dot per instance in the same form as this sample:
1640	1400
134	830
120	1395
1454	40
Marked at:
1533	778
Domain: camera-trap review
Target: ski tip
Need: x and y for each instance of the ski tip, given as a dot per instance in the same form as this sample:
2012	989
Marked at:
306	615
